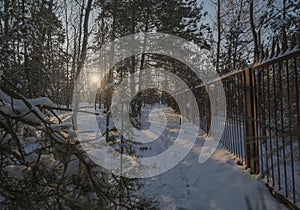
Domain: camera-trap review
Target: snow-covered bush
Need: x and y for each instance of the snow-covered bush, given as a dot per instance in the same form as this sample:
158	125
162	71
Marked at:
43	167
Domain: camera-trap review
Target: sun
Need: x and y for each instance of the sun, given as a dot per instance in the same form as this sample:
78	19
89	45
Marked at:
95	79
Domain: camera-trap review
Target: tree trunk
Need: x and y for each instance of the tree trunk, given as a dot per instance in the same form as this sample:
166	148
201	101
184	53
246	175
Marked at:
254	34
81	61
283	30
219	36
110	74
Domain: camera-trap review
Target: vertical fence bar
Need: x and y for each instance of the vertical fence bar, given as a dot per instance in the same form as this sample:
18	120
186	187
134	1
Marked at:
228	116
231	115
290	118
241	117
235	107
263	124
250	122
259	94
275	126
283	135
270	126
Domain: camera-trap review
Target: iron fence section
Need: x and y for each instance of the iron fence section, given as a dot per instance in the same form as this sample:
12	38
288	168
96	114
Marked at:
262	127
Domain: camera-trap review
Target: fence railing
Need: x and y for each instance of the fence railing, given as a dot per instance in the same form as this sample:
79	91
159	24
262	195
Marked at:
263	120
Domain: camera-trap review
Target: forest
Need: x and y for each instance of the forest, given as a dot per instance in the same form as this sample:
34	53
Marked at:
47	46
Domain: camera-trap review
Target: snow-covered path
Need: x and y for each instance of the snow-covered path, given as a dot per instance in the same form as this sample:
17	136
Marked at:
219	183
216	184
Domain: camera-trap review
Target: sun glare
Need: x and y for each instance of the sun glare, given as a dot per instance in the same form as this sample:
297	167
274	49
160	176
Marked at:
95	78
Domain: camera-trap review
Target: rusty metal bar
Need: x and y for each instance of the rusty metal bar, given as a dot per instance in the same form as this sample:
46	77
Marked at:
250	122
275	127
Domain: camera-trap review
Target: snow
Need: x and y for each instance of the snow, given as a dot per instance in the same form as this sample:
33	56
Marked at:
218	183
215	184
16	108
42	101
288	52
30	145
23	112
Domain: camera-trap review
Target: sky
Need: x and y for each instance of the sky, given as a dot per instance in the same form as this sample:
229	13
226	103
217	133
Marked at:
210	8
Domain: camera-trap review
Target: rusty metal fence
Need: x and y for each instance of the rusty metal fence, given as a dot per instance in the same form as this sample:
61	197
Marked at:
263	120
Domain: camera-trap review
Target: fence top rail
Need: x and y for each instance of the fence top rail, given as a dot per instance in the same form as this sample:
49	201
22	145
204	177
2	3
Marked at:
230	74
289	53
225	76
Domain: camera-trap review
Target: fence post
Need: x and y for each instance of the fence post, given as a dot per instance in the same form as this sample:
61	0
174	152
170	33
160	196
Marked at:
251	140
